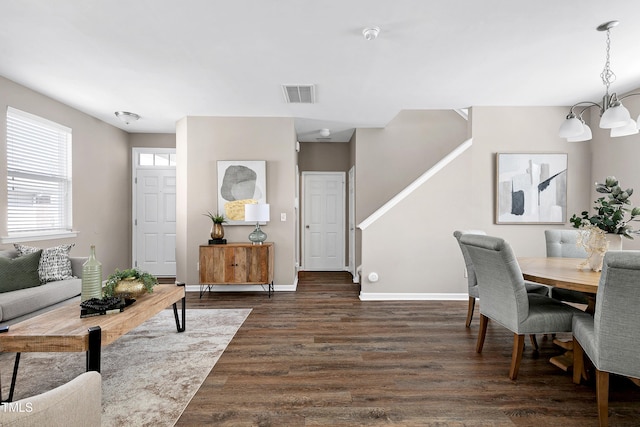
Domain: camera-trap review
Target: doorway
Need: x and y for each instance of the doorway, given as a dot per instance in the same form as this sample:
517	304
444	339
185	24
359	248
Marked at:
154	210
323	221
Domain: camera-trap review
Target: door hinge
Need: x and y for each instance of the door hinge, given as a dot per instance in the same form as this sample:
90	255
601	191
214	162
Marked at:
135	180
135	222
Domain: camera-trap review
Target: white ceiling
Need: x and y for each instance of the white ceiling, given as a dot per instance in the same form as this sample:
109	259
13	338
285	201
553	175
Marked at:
167	59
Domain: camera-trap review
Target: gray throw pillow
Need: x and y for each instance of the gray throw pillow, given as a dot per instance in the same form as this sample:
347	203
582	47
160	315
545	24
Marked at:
20	273
54	262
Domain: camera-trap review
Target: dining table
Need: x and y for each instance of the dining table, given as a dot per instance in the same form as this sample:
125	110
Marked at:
566	273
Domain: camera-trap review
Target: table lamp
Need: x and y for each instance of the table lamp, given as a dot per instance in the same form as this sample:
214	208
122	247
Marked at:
257	213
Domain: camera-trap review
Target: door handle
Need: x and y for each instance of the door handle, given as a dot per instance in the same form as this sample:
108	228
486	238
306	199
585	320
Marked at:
307	226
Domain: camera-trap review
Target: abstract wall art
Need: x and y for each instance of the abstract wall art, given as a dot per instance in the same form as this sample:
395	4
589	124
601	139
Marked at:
240	182
531	188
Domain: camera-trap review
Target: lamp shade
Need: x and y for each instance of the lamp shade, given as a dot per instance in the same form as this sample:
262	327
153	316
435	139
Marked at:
615	117
631	128
586	135
256	212
571	127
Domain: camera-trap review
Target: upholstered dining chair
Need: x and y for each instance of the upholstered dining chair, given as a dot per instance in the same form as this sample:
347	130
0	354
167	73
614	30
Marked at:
504	298
562	243
611	338
472	283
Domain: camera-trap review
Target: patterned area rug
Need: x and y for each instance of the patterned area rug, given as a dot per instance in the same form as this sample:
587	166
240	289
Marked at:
148	376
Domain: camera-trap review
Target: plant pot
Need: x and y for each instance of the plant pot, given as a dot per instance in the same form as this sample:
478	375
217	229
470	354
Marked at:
217	231
129	288
611	242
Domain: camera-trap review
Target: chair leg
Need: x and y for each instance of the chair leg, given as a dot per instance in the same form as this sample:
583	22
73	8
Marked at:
472	304
578	362
516	355
482	332
602	396
534	342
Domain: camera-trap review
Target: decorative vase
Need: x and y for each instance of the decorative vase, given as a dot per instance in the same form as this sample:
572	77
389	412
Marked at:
91	277
129	288
596	242
217	231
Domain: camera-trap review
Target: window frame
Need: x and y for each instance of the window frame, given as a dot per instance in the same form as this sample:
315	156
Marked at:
65	208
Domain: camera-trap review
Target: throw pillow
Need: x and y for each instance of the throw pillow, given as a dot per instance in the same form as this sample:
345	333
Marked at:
19	273
54	262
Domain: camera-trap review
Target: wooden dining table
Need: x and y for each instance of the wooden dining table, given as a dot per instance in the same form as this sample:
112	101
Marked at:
565	273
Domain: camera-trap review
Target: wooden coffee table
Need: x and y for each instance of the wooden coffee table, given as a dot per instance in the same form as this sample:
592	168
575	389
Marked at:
63	330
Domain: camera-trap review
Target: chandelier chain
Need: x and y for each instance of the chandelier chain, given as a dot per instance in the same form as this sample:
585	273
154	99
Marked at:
607	75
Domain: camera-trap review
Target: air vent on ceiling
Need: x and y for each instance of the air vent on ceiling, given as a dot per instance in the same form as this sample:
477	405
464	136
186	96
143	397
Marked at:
299	94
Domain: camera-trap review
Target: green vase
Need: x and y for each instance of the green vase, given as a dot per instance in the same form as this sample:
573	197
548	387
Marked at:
91	277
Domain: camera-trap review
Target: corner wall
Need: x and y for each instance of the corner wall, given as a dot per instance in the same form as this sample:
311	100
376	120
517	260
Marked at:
200	143
412	247
101	178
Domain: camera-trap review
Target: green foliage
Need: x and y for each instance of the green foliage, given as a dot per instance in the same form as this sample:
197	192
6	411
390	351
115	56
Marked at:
147	279
612	211
217	218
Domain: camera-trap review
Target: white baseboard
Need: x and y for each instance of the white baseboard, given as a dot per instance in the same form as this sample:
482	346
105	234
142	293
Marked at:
369	296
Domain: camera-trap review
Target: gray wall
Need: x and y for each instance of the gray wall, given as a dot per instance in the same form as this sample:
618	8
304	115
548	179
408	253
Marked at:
101	177
412	248
200	143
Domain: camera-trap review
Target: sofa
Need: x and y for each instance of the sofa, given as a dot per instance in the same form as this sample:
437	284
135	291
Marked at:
76	403
25	292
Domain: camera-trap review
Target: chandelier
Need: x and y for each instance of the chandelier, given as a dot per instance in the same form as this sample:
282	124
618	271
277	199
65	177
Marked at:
613	115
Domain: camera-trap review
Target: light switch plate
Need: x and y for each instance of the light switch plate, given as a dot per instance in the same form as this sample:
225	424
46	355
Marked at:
283	216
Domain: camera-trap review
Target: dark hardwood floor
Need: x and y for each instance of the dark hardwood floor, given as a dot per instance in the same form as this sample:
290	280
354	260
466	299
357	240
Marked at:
321	357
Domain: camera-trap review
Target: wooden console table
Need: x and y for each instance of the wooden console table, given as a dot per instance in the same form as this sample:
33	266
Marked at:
236	264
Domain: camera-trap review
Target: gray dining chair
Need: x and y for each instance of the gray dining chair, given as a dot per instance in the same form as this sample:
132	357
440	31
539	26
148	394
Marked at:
611	338
504	298
472	283
564	244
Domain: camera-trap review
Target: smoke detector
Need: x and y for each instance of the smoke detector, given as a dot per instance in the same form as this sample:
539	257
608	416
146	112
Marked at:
370	33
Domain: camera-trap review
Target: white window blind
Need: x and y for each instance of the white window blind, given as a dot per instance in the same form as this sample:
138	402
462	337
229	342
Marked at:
38	175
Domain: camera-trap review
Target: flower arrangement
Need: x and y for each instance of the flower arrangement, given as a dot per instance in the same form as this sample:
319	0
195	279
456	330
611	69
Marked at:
148	280
613	213
217	218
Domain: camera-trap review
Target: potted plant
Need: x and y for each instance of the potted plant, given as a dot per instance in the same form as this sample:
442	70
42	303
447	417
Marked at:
613	213
129	283
604	230
217	231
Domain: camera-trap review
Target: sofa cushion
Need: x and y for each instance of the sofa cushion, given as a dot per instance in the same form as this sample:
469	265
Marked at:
24	301
54	262
19	273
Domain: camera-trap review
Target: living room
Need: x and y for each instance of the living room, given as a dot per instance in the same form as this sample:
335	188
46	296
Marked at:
387	159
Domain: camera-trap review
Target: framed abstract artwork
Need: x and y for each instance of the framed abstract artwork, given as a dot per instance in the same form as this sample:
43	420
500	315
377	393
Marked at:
240	182
531	188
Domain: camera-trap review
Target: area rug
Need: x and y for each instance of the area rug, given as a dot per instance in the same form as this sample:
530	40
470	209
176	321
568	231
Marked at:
148	376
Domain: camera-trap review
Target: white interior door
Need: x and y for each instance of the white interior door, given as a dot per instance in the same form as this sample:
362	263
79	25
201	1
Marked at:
155	219
324	221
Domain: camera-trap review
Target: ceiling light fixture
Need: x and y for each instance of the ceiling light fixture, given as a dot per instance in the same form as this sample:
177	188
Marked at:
127	117
370	33
325	133
613	115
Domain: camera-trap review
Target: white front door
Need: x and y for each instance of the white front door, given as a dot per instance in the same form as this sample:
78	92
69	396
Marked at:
155	218
324	221
352	224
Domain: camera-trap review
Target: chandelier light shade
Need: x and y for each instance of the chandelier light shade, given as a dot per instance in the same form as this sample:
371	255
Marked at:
631	128
584	136
613	115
